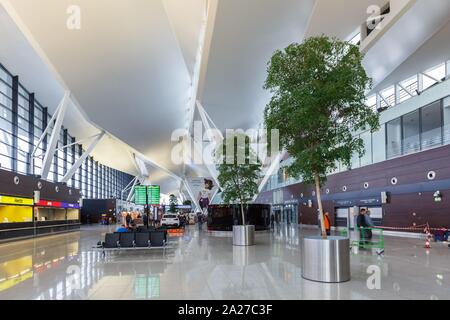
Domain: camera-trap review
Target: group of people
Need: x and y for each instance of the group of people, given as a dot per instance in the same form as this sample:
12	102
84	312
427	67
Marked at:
364	223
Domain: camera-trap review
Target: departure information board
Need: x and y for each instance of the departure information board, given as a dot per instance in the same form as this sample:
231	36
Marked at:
154	195
140	195
144	195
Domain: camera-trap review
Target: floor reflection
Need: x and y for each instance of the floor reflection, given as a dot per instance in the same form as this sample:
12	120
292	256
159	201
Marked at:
202	266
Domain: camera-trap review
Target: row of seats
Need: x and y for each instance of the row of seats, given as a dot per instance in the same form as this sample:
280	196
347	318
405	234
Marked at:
134	240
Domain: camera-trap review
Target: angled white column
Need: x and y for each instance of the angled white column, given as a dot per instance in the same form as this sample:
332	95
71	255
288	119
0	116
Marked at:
127	187
273	166
191	195
215	139
51	148
131	193
44	134
83	157
140	166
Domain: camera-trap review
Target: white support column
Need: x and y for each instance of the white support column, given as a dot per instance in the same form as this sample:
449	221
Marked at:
131	193
191	195
51	148
140	166
44	134
273	166
127	187
214	139
83	157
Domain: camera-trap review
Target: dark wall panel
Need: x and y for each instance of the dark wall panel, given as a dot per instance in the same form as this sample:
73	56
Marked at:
411	200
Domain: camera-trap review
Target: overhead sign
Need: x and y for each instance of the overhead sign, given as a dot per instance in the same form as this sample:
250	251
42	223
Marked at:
154	193
147	195
57	204
16	201
140	195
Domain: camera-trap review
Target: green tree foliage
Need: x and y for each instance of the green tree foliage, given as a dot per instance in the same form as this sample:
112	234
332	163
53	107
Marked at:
239	170
318	104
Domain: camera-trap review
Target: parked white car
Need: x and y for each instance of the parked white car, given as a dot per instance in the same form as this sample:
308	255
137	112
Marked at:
170	220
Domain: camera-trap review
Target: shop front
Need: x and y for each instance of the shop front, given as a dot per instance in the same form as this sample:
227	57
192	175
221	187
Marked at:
26	210
16	217
55	216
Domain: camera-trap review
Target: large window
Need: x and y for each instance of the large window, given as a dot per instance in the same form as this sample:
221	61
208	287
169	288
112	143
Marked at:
394	138
18	140
420	130
446	120
366	159
431	125
411	132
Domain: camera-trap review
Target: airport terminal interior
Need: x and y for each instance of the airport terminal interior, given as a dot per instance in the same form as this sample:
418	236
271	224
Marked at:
113	113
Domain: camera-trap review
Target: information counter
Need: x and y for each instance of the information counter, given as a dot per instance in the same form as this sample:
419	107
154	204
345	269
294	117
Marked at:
22	218
16	217
56	217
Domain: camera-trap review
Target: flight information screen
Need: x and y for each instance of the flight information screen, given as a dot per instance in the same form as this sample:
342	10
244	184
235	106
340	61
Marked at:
154	195
140	195
144	195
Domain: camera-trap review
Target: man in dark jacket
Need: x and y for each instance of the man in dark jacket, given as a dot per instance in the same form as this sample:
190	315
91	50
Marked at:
364	232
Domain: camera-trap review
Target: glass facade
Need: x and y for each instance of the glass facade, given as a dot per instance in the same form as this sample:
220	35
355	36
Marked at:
23	120
425	128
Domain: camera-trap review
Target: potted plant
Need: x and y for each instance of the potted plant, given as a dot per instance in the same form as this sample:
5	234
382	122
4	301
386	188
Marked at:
239	170
318	105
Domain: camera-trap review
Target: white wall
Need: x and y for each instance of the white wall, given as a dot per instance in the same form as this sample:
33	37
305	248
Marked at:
435	51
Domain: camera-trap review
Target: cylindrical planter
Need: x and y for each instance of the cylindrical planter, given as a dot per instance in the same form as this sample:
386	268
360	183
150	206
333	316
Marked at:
243	235
326	260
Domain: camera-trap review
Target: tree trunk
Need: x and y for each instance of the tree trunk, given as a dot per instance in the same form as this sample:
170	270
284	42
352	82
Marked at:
242	213
319	202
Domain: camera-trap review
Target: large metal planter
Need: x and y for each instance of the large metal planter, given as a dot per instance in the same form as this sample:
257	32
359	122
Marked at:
326	260
243	235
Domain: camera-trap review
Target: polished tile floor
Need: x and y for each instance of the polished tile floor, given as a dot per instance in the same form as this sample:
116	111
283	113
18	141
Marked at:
205	266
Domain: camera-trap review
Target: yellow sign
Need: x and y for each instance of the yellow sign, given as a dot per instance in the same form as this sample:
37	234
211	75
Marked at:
16	201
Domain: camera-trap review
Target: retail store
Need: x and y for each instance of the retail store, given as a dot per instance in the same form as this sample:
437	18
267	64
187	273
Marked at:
31	207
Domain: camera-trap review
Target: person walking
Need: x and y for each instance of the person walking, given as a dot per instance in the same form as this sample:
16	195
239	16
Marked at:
128	219
364	232
327	223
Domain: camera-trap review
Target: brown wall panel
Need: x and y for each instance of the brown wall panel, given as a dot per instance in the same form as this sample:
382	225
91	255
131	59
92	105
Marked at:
28	184
411	172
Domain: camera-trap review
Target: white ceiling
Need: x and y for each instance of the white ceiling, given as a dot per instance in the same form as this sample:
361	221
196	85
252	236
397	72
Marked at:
414	28
246	35
339	18
131	66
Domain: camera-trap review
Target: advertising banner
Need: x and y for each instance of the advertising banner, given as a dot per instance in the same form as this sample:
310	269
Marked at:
203	190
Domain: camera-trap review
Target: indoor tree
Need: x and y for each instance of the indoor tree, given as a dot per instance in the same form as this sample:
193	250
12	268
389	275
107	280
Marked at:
318	105
239	170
